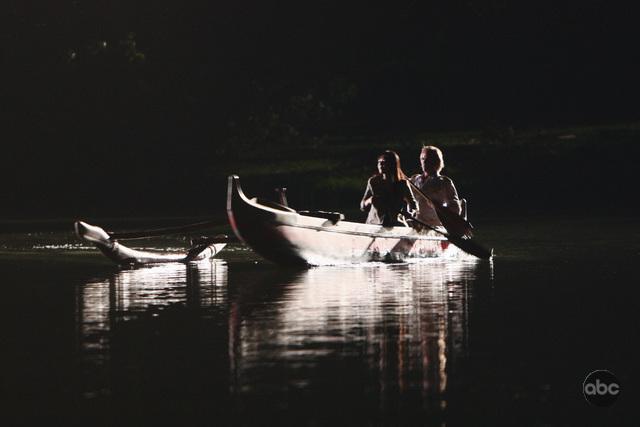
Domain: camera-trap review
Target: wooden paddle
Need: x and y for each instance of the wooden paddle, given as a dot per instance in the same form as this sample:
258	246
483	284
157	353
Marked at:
455	225
466	244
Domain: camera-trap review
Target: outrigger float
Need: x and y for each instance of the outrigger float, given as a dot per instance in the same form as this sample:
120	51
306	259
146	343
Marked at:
289	237
201	249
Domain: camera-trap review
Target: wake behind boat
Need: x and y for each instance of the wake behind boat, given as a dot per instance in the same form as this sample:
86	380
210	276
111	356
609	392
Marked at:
123	255
284	236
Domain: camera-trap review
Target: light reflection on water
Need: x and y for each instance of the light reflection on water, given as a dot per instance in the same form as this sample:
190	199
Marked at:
361	344
103	303
404	325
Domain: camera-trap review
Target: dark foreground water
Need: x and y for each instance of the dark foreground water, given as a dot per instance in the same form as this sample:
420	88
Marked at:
240	341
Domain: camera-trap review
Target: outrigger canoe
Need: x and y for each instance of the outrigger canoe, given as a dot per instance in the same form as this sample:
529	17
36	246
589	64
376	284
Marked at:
285	236
123	255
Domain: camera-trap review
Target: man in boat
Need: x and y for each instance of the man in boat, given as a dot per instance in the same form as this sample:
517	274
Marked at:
439	188
387	192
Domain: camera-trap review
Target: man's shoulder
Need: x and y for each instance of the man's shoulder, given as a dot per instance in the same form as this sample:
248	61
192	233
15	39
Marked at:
446	180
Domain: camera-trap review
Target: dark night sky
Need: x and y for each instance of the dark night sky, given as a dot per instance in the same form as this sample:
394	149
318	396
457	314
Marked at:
463	62
210	66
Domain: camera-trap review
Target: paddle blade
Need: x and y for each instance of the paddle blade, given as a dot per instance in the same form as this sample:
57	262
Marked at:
456	225
472	247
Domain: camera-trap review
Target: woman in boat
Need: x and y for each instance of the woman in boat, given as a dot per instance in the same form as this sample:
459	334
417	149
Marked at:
439	188
387	192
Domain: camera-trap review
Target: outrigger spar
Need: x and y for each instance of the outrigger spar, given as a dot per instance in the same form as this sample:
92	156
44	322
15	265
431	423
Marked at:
123	255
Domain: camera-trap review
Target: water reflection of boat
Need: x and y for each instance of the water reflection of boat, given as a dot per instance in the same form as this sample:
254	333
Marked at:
373	336
104	305
402	328
285	236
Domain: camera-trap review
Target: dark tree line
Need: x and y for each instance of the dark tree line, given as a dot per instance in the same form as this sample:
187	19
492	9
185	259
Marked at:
110	95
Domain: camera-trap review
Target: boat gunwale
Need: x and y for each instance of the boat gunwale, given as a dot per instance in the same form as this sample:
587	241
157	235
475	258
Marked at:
368	234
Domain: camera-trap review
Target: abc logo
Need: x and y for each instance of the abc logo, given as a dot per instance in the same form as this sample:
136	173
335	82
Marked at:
601	388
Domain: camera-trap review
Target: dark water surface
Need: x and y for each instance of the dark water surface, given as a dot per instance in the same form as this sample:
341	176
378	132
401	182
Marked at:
240	341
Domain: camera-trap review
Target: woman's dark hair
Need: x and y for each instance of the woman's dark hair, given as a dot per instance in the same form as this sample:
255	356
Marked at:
392	158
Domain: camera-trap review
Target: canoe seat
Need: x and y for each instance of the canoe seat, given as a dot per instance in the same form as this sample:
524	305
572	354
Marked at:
331	216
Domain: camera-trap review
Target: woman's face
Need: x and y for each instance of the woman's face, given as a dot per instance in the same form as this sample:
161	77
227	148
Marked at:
384	165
